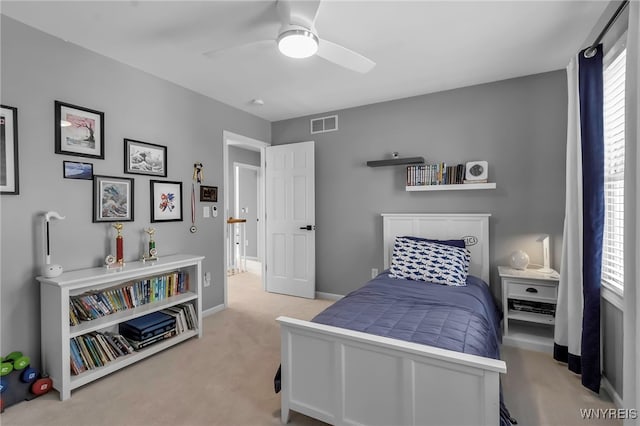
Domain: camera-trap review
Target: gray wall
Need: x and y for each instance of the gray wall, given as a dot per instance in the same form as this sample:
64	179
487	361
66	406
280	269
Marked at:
248	193
612	341
518	126
38	69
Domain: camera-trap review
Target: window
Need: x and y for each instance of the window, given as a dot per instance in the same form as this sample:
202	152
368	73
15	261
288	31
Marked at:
614	98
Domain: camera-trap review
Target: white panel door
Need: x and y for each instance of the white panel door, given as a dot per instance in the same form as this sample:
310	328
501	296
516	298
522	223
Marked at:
290	206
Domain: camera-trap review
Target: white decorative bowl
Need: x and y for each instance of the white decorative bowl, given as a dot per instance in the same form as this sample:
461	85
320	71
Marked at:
519	260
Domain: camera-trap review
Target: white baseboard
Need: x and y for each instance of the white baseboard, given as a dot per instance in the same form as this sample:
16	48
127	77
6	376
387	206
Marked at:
608	388
328	296
215	309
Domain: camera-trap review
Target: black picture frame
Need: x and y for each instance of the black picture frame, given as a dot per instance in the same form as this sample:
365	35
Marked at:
166	201
209	193
113	199
79	131
77	170
9	175
144	158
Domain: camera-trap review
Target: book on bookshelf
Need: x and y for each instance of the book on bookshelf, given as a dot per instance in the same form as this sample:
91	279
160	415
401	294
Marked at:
96	349
98	303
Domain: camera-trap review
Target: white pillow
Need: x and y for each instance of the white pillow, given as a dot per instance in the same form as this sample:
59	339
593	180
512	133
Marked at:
430	262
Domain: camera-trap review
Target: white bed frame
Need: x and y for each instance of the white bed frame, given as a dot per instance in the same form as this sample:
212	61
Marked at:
345	377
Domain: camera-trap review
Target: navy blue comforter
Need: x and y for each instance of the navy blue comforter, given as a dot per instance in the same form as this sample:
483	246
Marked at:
463	319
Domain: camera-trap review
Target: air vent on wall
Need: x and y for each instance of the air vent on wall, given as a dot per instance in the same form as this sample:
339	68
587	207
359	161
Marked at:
324	124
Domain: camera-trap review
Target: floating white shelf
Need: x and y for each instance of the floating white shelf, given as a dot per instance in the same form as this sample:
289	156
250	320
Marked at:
456	187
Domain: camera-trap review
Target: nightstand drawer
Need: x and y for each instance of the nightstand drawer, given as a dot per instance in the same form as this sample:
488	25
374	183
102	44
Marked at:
534	290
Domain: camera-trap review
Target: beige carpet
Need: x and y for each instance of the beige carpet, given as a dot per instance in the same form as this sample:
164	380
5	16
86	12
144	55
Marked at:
226	378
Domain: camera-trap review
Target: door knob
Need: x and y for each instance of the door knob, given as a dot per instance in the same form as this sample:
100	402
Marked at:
308	227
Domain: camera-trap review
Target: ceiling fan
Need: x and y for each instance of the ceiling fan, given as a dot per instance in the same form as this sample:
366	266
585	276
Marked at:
298	38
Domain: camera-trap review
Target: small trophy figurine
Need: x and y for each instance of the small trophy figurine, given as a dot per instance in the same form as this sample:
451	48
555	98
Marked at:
119	244
116	261
152	252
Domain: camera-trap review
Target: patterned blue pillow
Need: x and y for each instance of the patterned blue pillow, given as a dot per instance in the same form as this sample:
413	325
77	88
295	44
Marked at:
430	262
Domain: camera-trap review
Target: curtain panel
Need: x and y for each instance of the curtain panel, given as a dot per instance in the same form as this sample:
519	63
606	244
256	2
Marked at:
577	328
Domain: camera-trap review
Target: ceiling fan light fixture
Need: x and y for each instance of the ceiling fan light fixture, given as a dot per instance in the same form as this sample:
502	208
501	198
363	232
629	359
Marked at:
298	43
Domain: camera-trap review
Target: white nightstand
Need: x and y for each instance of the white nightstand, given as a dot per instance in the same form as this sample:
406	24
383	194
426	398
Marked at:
529	301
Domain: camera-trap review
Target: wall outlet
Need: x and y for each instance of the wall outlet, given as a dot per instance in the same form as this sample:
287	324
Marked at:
374	272
207	279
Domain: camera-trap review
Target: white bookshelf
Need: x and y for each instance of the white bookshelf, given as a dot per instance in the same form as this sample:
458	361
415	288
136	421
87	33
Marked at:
456	187
57	332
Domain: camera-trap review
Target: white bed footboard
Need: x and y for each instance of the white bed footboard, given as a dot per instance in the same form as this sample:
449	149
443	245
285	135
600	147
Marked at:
345	377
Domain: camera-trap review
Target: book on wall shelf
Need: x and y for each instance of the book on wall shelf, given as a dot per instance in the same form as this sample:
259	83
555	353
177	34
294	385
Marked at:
440	176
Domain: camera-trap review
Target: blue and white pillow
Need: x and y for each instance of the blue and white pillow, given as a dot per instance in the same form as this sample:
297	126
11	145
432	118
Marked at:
430	262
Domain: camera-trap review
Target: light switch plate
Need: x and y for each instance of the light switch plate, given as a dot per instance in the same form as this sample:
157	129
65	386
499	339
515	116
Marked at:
205	211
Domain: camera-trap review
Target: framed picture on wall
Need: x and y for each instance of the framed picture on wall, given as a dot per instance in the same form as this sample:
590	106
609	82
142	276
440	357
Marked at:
112	199
145	158
76	170
8	150
79	131
209	193
166	201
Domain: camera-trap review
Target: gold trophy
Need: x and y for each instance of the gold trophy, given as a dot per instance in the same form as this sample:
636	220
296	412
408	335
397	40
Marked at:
152	252
117	261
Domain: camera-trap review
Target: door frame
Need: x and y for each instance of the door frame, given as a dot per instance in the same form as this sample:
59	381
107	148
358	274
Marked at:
259	210
234	139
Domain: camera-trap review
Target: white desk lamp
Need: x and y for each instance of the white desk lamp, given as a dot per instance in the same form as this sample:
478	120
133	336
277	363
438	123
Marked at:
50	270
546	267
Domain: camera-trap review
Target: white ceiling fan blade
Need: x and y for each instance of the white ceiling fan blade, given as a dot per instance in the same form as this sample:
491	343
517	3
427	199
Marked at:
344	57
301	13
254	44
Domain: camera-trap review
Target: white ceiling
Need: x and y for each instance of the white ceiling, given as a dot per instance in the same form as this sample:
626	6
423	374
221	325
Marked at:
419	47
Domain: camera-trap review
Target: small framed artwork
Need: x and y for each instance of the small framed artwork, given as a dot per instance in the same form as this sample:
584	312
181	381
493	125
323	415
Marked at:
209	193
75	170
79	131
8	150
112	199
145	158
166	201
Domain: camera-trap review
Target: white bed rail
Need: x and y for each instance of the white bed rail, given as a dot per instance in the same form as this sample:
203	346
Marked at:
345	377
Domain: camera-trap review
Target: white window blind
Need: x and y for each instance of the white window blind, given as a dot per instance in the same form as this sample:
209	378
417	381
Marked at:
614	94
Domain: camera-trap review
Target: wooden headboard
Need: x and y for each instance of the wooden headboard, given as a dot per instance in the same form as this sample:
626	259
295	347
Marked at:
473	228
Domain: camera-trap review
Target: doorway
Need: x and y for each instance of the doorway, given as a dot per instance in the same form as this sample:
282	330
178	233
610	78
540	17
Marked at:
243	183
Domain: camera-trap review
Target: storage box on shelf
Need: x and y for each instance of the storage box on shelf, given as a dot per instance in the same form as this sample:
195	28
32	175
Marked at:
529	301
82	311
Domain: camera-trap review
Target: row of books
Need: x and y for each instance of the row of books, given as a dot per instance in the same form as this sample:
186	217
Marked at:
96	349
533	307
98	303
185	315
435	174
